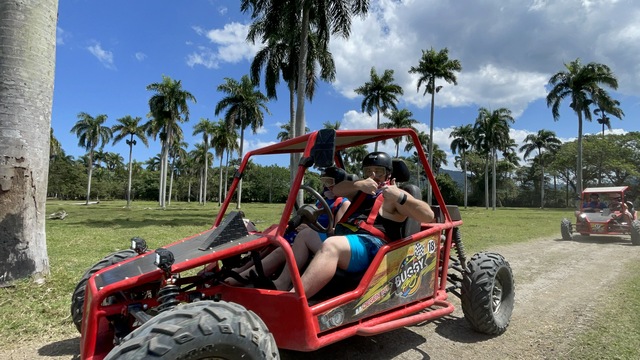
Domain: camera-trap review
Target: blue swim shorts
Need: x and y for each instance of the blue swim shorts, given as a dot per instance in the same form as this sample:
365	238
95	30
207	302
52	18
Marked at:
364	248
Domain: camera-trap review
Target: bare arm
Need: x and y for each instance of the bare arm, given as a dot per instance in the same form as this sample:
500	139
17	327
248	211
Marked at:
410	207
349	188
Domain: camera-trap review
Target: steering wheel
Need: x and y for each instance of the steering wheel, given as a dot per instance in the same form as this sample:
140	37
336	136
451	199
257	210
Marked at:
309	214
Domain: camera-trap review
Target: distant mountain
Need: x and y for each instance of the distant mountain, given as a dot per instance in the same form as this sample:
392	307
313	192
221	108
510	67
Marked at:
456	175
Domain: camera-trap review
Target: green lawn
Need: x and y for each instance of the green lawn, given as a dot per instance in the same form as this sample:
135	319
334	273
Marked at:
29	312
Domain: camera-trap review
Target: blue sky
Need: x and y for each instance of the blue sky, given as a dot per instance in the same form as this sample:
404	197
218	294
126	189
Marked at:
109	51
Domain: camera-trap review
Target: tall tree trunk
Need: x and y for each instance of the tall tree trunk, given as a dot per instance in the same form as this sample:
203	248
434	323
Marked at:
241	157
464	160
89	173
541	184
433	98
27	63
163	174
486	182
226	174
130	171
375	148
206	171
220	184
173	162
292	125
494	155
579	161
301	87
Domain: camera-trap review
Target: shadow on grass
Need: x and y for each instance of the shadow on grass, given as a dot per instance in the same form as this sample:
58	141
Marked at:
67	347
203	222
384	346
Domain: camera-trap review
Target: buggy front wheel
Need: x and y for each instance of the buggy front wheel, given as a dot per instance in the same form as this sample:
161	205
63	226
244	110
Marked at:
565	229
200	330
488	293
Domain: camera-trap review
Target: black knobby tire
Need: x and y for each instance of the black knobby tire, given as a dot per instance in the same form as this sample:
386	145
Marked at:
200	330
77	299
488	293
565	229
635	232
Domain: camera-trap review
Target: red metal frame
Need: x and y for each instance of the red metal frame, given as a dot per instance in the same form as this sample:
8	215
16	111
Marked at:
300	330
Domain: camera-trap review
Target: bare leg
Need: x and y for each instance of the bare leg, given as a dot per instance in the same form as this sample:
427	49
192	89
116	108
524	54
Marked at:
335	252
306	243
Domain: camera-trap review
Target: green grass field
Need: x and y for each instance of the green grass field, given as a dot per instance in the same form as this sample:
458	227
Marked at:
29	312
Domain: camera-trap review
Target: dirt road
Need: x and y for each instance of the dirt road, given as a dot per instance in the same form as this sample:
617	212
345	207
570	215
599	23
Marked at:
559	285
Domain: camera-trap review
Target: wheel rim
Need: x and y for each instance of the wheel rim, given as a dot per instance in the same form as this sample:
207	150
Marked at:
496	295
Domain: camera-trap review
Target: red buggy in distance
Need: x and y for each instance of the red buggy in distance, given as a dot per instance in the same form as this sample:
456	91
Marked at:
174	302
614	215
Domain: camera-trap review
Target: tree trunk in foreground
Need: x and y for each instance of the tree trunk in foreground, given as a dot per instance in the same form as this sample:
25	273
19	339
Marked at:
27	64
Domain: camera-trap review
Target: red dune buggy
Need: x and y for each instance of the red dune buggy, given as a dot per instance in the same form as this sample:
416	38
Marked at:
604	211
174	302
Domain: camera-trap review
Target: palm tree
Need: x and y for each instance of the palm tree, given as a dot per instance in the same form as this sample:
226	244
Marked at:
354	156
543	141
462	142
129	127
285	134
27	68
400	119
380	94
168	107
423	139
244	107
432	66
207	128
91	133
491	132
335	126
224	139
153	163
581	84
327	17
176	153
55	149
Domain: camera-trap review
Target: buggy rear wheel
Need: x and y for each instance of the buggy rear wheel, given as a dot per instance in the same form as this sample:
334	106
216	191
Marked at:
200	330
488	293
565	229
77	299
635	232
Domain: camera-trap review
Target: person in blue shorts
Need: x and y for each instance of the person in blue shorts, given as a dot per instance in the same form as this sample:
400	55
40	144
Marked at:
376	216
306	241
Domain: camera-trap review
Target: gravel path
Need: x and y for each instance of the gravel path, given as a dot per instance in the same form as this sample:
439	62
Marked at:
559	285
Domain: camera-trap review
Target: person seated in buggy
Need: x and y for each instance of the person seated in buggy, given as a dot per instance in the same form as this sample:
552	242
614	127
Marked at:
620	211
376	216
304	240
594	203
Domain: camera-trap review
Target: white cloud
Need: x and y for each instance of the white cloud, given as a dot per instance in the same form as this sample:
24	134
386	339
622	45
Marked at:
140	56
104	56
61	35
229	46
508	48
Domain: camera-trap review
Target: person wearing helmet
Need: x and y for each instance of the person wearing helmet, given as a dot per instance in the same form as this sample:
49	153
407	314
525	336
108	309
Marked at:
304	240
376	216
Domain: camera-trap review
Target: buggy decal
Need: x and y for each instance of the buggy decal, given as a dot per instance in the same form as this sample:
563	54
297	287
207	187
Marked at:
403	275
411	270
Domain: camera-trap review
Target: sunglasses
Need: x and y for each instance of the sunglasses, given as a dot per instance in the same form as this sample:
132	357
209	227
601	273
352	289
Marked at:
327	181
378	171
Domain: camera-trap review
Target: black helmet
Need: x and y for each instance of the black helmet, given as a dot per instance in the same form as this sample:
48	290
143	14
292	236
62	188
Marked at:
336	173
378	158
